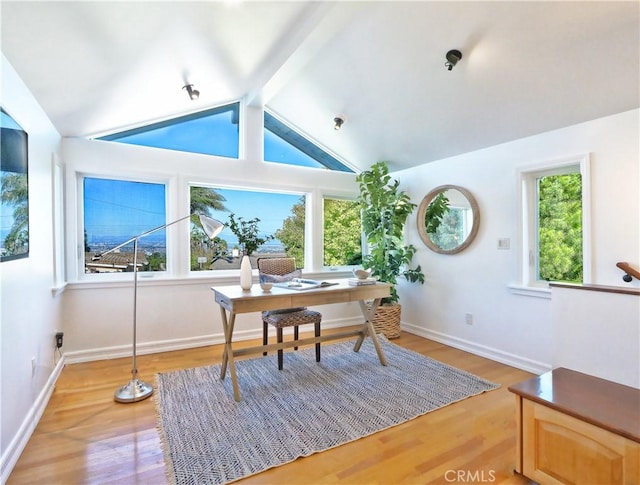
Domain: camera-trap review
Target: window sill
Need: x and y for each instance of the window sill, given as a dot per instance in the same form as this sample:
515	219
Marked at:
197	278
531	291
58	289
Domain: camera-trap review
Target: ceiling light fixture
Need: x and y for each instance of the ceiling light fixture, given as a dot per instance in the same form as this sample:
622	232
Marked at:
339	121
193	93
453	56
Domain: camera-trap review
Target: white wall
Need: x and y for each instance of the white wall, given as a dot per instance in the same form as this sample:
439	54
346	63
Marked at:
508	327
597	333
178	312
30	311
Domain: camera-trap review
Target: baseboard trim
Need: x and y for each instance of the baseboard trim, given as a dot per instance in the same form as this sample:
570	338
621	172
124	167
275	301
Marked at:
19	442
120	351
498	355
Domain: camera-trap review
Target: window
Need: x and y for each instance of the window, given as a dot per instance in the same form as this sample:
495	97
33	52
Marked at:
211	132
59	276
276	218
282	144
114	212
555	223
342	232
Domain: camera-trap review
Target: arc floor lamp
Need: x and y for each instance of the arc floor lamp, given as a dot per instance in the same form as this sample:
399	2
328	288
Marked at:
135	389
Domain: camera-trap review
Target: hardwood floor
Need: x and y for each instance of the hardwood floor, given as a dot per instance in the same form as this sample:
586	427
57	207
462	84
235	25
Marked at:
84	437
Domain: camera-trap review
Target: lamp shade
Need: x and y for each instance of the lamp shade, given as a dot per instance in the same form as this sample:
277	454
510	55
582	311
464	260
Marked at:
211	226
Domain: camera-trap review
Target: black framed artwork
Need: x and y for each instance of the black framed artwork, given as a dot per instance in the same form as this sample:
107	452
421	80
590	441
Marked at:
14	191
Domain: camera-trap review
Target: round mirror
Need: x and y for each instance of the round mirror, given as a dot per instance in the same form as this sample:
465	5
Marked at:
448	219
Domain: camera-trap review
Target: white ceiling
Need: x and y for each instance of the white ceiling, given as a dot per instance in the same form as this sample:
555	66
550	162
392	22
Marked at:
527	67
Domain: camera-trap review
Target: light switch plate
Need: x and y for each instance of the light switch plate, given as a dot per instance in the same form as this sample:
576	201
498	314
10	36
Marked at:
504	243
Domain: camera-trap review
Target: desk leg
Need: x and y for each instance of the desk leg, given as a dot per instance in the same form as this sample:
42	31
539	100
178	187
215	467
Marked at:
227	356
368	313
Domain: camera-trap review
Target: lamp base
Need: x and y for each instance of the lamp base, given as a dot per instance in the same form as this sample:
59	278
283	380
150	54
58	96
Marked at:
135	390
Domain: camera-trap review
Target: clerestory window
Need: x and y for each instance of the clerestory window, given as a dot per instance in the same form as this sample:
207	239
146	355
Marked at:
211	132
283	144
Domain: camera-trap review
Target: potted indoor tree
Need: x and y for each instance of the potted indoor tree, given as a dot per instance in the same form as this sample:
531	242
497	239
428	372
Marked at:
247	233
249	240
385	209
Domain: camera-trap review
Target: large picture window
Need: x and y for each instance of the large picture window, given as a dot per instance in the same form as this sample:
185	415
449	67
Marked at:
117	210
257	223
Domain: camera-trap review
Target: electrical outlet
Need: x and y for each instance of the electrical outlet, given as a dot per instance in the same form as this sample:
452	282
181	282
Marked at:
468	318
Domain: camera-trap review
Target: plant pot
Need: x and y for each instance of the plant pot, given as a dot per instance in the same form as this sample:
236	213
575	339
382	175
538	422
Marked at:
386	320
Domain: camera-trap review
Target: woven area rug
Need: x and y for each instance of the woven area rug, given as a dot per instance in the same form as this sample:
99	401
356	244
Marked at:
308	407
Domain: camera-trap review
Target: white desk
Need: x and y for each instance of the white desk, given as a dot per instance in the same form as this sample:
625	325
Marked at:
234	300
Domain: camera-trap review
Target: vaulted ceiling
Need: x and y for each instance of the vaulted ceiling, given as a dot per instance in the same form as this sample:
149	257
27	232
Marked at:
527	67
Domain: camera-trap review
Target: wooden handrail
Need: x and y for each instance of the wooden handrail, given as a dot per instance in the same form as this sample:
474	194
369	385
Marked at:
626	267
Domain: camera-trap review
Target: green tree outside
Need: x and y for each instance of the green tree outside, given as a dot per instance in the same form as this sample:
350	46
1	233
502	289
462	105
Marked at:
291	235
203	200
560	228
342	233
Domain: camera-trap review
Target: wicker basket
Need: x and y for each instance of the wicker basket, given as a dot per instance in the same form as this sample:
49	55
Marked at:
386	320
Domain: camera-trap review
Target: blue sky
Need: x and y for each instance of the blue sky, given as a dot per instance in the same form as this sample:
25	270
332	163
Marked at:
125	209
121	208
270	208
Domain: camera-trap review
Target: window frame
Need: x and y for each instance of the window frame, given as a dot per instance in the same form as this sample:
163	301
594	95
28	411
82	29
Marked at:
172	255
528	258
58	220
294	137
236	106
256	189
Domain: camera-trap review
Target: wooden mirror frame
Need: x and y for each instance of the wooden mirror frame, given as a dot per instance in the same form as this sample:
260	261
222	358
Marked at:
422	209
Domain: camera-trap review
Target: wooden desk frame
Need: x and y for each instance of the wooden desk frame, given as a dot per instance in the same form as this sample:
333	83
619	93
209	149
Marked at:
233	300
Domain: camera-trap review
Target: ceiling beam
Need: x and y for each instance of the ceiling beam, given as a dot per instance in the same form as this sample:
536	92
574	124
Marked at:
315	27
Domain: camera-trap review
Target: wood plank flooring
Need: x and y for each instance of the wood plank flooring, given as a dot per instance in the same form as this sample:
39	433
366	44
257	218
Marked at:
84	437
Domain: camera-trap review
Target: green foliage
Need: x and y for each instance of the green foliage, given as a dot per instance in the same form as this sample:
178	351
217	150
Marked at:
436	210
449	234
560	227
291	235
342	233
157	262
15	193
247	234
203	200
203	246
385	209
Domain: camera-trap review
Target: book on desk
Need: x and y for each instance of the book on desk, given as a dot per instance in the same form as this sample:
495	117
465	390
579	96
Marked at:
304	284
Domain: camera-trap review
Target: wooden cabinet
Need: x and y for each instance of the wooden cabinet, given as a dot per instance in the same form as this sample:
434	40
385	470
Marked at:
577	429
